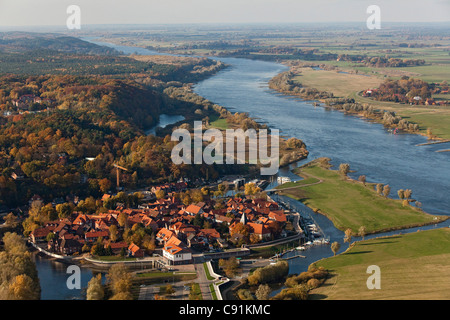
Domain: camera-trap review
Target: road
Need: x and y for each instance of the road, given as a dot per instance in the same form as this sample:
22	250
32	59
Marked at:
181	291
148	292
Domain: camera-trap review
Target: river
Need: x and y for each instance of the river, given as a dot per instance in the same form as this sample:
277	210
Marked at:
368	147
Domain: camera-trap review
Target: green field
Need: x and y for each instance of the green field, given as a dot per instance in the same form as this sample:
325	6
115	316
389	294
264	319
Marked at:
340	84
218	123
412	266
350	204
437	118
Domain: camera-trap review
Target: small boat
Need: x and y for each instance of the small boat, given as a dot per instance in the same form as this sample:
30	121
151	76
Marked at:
300	248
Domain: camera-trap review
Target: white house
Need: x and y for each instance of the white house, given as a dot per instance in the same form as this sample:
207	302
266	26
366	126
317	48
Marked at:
176	255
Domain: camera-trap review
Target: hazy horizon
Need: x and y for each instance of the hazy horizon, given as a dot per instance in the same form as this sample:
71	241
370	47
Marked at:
52	13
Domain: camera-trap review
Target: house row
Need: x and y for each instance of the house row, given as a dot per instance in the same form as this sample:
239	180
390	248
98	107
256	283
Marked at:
173	223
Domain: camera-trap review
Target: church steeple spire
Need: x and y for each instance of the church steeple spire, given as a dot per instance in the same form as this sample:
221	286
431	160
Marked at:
243	218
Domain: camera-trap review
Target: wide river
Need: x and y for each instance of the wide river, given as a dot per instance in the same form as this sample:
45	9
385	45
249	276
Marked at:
368	148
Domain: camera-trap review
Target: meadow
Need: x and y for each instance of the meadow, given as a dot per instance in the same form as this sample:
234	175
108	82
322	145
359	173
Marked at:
412	266
351	204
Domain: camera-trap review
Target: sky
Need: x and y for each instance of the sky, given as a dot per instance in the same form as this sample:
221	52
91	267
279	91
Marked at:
53	12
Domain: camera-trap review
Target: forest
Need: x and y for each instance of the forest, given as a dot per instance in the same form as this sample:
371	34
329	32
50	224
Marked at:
95	121
68	118
95	118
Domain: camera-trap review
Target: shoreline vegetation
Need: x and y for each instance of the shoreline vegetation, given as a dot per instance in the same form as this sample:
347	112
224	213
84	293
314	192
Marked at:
351	101
284	83
352	204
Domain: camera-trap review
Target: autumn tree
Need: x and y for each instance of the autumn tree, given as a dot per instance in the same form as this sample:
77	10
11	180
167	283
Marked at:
263	292
240	229
294	143
229	266
251	189
119	280
362	231
122	219
64	210
169	289
18	276
335	246
348	235
196	195
104	185
113	233
386	190
362	179
407	193
344	169
222	188
122	296
22	288
149	242
205	191
95	290
160	194
401	194
379	188
11	220
270	273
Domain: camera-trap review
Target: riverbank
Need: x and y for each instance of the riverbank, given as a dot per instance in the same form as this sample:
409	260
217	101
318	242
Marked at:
331	91
351	204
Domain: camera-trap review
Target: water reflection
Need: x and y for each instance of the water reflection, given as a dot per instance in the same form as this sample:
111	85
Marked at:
164	121
53	279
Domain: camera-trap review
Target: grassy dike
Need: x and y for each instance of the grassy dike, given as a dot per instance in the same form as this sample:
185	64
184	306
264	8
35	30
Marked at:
350	204
412	266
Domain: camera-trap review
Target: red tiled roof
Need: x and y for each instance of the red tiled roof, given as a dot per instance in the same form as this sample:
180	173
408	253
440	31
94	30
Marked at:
96	234
277	215
118	245
258	228
172	249
193	209
133	248
210	233
41	232
164	234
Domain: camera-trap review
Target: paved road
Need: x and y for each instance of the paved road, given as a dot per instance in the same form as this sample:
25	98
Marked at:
203	281
148	292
